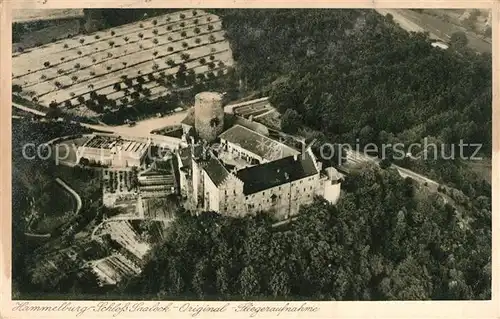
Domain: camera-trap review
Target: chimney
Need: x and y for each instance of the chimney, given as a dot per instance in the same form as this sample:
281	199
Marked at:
295	157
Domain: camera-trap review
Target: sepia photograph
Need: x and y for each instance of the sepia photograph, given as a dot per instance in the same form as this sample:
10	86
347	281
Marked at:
166	154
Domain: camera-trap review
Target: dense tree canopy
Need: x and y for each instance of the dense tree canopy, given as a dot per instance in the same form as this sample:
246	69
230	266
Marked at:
354	74
386	240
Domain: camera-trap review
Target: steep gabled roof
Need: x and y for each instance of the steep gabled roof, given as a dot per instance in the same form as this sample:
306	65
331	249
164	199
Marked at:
215	170
256	143
272	174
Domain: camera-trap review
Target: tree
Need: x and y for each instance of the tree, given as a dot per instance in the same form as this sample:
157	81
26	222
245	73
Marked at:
248	282
459	39
117	87
291	121
46	64
16	88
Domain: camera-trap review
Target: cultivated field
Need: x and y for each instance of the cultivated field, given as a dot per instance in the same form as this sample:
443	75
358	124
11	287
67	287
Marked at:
108	70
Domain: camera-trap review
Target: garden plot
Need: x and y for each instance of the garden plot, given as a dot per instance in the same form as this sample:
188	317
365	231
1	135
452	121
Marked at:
71	72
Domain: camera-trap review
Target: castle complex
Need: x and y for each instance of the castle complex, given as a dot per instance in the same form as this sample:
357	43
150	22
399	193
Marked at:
235	169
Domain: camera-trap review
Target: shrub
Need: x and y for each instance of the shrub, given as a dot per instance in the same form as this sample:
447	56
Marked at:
169	38
141	25
77	66
20	50
211	65
65	45
212	58
167	19
97	37
194	12
155	22
211	38
182	15
203	61
140	46
221	64
220	73
46	64
155	41
155	31
110	55
82	40
108	67
162	74
197	40
185	56
112	32
92	73
16	88
169	27
184	44
126	39
34	99
209	19
123	77
155	66
140	35
197	30
196	21
93	95
111	43
182	24
72	94
62	58
67	103
210	27
43	77
124	100
60	71
146	92
94	60
57	84
200	77
135	95
74	78
128	82
79	52
170	62
151	77
90	86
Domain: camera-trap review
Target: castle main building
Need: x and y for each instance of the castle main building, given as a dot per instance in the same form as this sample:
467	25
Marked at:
247	171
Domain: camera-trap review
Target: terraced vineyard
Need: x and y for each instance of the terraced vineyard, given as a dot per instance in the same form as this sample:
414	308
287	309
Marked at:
108	70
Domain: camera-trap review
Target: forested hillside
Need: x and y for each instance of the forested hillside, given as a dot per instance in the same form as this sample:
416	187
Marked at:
386	240
352	74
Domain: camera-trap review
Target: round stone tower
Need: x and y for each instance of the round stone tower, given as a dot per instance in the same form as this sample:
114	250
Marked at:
208	115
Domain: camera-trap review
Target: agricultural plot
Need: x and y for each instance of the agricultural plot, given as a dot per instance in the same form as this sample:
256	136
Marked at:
108	70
